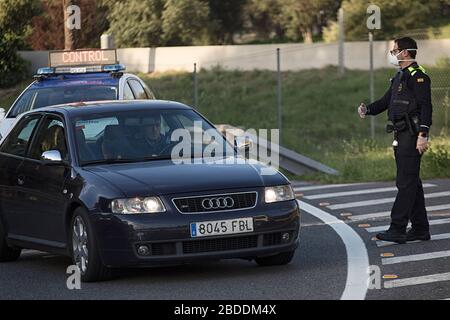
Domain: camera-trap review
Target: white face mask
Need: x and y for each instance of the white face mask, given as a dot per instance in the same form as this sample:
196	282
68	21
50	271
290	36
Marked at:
393	59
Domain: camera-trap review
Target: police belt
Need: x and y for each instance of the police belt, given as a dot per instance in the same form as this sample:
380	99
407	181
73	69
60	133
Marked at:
404	123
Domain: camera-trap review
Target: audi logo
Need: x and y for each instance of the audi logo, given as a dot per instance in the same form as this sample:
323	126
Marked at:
218	203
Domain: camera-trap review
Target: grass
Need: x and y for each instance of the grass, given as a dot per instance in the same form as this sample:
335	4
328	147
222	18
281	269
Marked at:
319	115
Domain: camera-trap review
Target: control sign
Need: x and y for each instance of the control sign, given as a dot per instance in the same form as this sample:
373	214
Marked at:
82	58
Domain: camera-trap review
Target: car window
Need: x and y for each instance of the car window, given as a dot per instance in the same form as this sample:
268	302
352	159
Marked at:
17	141
92	129
51	136
43	97
138	89
127	93
24	104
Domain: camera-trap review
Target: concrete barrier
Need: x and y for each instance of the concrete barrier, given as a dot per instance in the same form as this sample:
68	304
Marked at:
294	56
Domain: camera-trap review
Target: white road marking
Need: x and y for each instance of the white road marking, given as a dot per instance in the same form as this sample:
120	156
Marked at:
416	257
358	192
442	236
326	186
417	280
381	201
432	223
357	257
370	216
384	214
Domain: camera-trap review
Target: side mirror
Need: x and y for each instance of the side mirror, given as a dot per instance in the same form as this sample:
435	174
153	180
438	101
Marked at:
51	157
243	143
2	113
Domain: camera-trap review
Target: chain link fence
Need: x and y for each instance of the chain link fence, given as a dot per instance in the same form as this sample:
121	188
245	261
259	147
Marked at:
315	108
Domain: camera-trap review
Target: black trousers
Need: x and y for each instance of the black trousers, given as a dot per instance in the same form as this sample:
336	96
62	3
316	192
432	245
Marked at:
409	204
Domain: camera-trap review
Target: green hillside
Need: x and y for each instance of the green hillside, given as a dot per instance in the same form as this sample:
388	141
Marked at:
319	114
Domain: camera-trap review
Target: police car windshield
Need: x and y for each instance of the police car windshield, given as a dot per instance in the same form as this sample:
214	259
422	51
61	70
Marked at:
43	97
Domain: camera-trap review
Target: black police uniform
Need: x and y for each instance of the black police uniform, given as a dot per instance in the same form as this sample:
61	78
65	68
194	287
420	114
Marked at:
408	102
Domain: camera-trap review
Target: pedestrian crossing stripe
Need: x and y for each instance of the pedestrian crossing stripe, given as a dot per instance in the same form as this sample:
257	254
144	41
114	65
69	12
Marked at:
417	280
442	236
416	257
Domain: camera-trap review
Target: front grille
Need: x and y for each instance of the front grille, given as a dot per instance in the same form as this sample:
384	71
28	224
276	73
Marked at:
272	239
224	244
217	202
163	249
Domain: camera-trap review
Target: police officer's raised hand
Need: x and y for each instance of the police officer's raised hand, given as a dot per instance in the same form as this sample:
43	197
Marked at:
362	110
422	144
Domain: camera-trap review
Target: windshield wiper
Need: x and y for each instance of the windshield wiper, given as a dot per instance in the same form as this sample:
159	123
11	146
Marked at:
112	161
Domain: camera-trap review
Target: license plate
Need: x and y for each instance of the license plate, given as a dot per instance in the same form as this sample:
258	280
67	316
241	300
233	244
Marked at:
214	228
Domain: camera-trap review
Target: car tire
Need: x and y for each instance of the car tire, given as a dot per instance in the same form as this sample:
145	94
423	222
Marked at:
279	259
84	249
7	254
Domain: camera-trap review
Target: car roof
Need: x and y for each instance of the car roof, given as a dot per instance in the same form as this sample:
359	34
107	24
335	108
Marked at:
91	107
64	80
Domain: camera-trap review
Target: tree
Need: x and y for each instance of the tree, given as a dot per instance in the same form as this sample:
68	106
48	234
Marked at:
15	17
397	17
136	23
265	18
305	18
70	34
48	26
226	19
185	22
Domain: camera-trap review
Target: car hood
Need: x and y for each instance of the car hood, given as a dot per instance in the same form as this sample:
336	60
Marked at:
164	177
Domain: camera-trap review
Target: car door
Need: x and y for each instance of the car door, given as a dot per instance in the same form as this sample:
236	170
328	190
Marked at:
43	195
12	153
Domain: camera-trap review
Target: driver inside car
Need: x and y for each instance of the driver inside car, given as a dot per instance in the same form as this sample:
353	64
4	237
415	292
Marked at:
151	142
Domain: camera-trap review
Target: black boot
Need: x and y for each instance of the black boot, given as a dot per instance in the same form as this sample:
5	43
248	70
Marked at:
392	235
414	234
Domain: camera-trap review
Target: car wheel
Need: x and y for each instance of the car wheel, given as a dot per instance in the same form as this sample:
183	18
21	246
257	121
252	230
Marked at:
276	260
84	247
7	253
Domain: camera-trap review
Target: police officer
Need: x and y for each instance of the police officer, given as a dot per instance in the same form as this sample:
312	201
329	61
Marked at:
408	101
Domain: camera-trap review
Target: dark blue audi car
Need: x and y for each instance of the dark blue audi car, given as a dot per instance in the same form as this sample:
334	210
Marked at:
108	184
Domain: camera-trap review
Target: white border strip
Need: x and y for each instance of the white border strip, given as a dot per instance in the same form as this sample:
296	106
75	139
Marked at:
417	280
381	201
358	192
357	258
326	186
416	257
377	215
441	236
435	222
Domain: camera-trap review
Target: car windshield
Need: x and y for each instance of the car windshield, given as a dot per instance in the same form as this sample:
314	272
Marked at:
135	136
39	98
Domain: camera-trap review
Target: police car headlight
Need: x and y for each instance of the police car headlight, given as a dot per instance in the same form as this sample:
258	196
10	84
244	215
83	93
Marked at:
137	205
278	193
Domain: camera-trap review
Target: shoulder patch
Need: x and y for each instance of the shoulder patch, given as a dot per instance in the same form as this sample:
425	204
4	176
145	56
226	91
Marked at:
420	80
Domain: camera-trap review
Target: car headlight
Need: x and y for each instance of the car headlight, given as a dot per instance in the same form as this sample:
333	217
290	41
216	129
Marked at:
137	205
278	193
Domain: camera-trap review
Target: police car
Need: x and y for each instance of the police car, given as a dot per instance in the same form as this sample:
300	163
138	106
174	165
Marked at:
76	76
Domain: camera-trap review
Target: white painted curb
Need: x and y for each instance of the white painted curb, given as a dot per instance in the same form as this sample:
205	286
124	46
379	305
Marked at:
357	258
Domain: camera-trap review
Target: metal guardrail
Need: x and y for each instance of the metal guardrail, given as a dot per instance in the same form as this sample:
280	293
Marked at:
288	159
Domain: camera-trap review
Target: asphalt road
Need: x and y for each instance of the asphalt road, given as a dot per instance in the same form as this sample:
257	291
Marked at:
320	269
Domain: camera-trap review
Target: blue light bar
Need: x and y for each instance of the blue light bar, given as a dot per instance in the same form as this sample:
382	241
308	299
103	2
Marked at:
45	71
114	68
